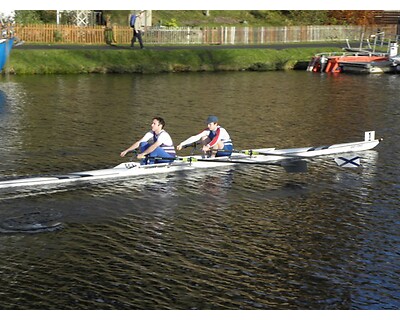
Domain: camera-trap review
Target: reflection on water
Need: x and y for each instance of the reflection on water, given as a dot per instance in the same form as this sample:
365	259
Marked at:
251	237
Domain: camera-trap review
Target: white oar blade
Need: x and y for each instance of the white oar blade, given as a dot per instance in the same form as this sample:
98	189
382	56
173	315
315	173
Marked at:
348	162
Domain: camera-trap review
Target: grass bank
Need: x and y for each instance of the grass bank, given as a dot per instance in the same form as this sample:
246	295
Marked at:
63	61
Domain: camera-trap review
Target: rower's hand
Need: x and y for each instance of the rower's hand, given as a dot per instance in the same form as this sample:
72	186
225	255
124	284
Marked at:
140	156
206	148
179	147
123	153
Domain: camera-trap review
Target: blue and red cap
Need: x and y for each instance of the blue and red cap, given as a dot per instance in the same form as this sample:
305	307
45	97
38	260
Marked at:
211	119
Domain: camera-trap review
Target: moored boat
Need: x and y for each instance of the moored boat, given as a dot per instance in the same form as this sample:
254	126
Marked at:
5	49
360	60
337	62
385	66
6	40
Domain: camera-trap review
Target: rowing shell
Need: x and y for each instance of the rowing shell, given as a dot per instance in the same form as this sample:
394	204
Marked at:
287	158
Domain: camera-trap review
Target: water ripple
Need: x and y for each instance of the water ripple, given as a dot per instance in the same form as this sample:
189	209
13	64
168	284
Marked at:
251	237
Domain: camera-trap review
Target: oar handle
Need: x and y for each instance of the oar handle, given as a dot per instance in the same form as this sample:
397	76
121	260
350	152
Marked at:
194	145
134	152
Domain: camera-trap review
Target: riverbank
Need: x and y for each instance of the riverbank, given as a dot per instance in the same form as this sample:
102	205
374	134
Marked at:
151	60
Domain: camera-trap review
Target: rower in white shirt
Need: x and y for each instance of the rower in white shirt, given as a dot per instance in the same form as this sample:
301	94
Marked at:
156	143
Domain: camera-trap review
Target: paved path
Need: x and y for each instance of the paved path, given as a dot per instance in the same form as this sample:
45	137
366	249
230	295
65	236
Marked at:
339	45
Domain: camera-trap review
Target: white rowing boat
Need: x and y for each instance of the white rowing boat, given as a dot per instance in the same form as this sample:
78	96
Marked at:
293	160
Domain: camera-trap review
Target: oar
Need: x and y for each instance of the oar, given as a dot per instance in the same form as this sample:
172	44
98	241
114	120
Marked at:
193	159
251	152
184	159
292	166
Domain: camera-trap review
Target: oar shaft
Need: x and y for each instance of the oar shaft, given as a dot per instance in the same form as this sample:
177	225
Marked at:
256	153
184	159
224	160
239	161
289	166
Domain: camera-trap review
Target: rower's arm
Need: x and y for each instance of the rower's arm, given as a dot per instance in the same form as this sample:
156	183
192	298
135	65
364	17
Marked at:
145	138
192	139
131	148
151	148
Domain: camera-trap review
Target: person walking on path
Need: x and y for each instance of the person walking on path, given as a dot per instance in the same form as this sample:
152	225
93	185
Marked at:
109	35
136	24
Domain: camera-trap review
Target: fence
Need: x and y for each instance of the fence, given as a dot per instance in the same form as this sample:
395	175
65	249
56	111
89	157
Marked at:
67	34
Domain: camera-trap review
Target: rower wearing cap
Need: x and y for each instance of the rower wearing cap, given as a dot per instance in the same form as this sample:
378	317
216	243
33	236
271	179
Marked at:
215	139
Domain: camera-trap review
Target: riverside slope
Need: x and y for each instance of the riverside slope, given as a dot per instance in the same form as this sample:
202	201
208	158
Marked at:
75	59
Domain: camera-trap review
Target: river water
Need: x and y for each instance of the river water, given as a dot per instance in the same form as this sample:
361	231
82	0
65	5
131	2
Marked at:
251	237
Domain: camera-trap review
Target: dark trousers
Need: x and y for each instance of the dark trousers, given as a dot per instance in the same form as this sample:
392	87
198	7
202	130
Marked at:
137	35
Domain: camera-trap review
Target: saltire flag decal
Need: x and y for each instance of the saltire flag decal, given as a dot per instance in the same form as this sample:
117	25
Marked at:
348	163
